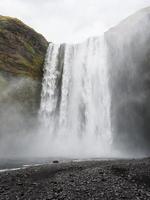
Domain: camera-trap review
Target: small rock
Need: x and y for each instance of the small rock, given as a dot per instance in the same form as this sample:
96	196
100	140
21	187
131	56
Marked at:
55	161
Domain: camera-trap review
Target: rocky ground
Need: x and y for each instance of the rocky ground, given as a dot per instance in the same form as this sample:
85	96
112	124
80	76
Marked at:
86	180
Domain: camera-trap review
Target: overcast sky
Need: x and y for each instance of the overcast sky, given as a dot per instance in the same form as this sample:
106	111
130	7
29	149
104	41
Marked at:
71	20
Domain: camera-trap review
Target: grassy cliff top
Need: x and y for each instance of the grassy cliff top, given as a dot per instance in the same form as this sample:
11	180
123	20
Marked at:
22	50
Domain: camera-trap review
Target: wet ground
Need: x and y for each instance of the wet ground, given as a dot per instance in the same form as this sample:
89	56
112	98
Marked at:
86	180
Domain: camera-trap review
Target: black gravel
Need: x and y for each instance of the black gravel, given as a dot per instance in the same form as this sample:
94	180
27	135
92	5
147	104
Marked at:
87	180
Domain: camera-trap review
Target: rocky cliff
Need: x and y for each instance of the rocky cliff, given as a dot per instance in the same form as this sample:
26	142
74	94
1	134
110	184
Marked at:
22	52
129	58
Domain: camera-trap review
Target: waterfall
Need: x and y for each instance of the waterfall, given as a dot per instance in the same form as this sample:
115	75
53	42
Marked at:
75	99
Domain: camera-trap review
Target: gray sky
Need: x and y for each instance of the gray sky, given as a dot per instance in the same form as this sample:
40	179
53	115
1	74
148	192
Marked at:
71	20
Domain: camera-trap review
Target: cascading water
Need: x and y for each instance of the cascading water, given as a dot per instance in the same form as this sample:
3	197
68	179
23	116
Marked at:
75	100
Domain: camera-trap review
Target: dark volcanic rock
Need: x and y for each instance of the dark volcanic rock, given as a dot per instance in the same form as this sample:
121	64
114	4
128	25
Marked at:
101	180
55	161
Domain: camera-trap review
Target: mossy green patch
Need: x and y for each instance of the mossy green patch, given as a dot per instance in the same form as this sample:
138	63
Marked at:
22	50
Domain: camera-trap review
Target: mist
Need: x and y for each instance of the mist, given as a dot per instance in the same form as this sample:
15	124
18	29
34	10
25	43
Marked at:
18	116
122	90
128	57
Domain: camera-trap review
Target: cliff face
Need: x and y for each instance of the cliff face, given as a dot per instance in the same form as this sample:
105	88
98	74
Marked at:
22	50
129	58
22	53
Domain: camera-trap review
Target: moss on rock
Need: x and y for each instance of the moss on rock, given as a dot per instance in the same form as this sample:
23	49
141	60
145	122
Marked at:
22	50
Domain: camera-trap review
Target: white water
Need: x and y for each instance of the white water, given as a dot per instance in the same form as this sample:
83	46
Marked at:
75	100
